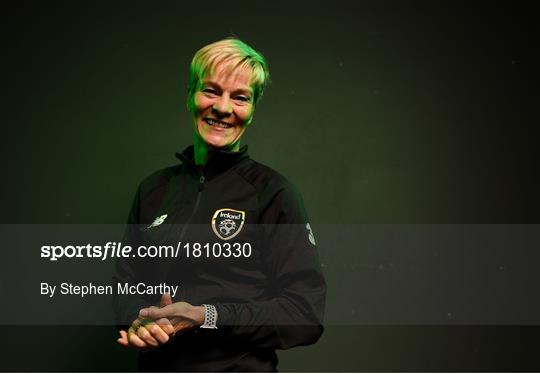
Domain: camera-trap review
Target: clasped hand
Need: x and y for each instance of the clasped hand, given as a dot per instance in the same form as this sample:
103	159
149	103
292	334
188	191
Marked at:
156	326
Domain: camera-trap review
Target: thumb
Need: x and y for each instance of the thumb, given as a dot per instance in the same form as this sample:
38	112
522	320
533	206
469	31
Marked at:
165	300
156	313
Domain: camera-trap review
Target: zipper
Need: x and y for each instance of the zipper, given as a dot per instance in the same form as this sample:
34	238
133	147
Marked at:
201	183
200	187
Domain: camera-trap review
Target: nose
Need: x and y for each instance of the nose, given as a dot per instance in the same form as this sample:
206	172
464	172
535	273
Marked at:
223	105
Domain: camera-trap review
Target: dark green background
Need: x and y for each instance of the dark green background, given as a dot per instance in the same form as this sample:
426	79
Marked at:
378	112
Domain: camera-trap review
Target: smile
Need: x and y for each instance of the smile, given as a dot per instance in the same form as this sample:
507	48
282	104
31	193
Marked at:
217	123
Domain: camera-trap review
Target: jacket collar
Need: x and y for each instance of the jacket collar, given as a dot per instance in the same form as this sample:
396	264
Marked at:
218	161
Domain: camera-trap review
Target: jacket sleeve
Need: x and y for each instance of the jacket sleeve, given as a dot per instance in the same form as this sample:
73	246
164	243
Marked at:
126	307
293	313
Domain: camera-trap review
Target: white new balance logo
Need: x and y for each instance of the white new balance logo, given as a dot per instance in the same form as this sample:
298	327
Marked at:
311	237
158	221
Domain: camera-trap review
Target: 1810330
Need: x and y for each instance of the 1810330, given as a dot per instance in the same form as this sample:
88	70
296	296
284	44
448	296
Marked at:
216	250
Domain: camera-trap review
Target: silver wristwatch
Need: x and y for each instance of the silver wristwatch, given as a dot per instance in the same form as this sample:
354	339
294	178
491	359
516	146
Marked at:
210	317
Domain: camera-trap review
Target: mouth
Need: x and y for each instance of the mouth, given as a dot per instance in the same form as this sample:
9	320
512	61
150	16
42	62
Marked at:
217	123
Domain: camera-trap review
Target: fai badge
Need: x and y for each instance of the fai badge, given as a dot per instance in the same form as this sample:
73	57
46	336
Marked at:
227	223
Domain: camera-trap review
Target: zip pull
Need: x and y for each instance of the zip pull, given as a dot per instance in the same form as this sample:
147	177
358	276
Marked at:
201	183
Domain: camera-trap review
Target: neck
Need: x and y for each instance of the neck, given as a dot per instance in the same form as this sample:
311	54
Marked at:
202	150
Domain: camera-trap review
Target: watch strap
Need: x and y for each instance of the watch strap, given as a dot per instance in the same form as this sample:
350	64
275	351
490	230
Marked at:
210	317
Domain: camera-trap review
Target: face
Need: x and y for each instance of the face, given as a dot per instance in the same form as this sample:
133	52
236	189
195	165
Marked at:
223	107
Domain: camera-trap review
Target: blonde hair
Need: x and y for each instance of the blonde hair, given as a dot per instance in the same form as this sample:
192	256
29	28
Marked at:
235	54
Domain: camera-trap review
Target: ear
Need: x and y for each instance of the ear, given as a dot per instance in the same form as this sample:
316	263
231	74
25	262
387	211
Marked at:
252	115
189	103
190	97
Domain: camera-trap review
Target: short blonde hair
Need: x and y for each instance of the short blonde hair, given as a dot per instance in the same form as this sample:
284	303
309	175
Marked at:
235	53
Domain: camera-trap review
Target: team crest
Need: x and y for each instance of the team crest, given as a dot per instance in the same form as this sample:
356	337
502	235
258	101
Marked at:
227	223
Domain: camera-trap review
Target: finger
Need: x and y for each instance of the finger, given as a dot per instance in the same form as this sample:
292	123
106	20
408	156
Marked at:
135	341
166	326
157	333
155	314
123	339
135	325
141	320
166	299
146	337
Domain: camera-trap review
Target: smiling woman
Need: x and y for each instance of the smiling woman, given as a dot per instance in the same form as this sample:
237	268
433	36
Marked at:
233	309
227	79
223	108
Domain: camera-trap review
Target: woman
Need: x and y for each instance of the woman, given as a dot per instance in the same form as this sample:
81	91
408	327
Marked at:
249	277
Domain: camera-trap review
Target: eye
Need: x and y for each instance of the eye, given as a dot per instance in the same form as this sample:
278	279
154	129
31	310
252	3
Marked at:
209	91
242	98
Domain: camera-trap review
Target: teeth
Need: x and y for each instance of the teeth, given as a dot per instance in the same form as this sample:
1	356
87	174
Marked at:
212	122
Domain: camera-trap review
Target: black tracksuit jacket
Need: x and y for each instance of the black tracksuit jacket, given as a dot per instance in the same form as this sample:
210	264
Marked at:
273	299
